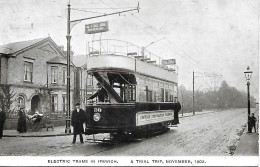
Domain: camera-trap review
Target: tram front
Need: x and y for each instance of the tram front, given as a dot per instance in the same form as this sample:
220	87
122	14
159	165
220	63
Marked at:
111	106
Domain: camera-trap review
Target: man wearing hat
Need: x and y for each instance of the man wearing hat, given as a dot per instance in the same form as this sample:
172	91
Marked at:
2	121
77	120
177	108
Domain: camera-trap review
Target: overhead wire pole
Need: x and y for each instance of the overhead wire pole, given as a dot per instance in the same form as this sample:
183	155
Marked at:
68	129
193	100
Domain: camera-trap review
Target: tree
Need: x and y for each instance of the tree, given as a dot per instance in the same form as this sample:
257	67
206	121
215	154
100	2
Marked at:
6	95
225	97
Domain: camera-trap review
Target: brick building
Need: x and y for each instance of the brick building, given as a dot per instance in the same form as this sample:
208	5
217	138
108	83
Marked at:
36	72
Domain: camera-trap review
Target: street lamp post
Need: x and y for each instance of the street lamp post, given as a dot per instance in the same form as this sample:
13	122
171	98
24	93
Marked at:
248	75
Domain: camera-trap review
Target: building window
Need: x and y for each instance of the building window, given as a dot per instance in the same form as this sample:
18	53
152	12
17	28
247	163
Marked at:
54	103
28	70
20	102
64	103
54	74
64	75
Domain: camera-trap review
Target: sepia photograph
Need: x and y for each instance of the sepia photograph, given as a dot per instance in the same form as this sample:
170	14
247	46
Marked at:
129	82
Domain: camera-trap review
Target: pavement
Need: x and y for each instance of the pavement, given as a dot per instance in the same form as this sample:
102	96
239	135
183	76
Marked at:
248	144
57	131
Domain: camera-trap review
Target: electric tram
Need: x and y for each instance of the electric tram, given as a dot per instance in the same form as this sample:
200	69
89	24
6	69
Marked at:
139	88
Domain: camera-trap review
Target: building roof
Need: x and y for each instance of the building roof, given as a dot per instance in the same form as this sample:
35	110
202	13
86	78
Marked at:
12	48
58	60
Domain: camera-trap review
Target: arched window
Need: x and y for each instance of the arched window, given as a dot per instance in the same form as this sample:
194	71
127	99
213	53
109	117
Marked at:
20	102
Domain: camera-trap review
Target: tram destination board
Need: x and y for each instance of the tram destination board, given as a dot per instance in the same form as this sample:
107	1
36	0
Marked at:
96	27
169	62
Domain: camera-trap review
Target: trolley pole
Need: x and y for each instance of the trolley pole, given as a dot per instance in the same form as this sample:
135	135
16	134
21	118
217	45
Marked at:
193	100
68	129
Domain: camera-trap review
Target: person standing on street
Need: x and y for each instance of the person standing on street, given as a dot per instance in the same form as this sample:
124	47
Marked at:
177	108
21	126
2	121
77	120
252	121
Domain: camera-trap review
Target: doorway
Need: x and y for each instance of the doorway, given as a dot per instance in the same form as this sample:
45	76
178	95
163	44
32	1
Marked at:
35	104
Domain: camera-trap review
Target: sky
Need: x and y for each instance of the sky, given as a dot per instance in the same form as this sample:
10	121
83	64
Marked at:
218	37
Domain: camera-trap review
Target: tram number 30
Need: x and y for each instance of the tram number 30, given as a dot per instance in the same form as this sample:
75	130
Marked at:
97	109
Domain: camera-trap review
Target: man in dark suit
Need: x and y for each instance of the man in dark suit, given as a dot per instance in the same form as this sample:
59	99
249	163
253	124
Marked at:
177	108
2	121
101	94
77	120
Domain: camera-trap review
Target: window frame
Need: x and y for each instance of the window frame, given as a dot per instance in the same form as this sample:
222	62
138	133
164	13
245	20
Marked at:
53	104
64	103
53	74
18	102
28	72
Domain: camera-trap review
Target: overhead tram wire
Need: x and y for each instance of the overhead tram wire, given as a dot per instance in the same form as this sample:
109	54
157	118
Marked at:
189	58
185	54
105	8
149	33
87	11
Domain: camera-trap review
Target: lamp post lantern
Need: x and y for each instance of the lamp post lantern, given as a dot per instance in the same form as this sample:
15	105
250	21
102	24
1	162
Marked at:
248	75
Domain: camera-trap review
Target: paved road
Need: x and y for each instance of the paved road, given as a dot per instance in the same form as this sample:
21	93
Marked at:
205	135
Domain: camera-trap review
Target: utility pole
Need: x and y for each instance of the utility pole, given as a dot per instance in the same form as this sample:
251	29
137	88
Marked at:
68	129
193	100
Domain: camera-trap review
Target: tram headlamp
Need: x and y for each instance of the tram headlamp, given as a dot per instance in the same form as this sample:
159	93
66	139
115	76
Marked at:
96	116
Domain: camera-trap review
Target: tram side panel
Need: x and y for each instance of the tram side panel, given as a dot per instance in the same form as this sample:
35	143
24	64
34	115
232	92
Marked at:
113	118
109	118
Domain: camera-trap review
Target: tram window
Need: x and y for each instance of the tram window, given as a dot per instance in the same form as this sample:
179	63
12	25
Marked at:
162	95
90	80
129	92
142	95
171	98
166	95
149	97
154	95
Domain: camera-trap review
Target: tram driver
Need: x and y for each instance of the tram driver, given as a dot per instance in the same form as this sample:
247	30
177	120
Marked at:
177	108
101	94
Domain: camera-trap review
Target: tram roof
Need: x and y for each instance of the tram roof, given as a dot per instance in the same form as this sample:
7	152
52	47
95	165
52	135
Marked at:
122	63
